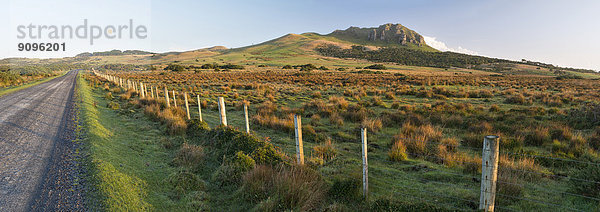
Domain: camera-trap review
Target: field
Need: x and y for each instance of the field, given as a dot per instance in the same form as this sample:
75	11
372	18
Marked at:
425	134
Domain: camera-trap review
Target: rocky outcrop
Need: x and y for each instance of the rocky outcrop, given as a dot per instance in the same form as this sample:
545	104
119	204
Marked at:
388	33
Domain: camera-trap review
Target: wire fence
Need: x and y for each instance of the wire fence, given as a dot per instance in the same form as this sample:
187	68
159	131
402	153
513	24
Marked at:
529	191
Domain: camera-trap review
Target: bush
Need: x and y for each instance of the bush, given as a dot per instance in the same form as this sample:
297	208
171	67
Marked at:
376	67
267	155
197	127
174	67
232	170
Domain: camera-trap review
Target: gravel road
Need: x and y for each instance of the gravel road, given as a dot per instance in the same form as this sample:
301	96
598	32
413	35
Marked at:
39	170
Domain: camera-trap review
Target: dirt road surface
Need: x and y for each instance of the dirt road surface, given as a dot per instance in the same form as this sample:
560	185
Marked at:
38	171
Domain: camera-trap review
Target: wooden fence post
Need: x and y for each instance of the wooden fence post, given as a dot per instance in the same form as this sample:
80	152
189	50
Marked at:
299	146
167	97
174	99
187	107
246	116
152	92
489	171
222	111
363	139
142	89
199	107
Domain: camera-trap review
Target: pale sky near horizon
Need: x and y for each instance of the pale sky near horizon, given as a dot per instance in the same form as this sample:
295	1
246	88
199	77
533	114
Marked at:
564	33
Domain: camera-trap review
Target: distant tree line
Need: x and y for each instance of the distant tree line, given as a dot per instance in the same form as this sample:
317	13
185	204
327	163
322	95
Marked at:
21	73
408	56
414	57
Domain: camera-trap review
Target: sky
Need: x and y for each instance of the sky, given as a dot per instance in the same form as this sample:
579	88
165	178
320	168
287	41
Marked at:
564	33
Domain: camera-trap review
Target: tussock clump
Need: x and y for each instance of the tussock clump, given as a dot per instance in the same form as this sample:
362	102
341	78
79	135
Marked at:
336	119
189	155
537	136
185	181
274	122
113	105
372	125
518	99
397	152
325	151
174	119
284	188
561	133
108	96
127	95
339	102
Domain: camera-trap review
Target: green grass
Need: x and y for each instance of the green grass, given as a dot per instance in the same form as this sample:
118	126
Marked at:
129	164
8	90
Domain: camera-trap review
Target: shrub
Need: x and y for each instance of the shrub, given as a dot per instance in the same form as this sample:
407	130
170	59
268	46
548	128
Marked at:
267	154
197	127
233	169
376	67
189	155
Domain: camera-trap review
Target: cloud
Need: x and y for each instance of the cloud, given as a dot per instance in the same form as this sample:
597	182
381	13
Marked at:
439	45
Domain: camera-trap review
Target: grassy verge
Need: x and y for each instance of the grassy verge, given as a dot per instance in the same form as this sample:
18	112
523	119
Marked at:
127	162
8	90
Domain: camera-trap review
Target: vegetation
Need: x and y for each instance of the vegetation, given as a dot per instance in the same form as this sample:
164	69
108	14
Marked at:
420	128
